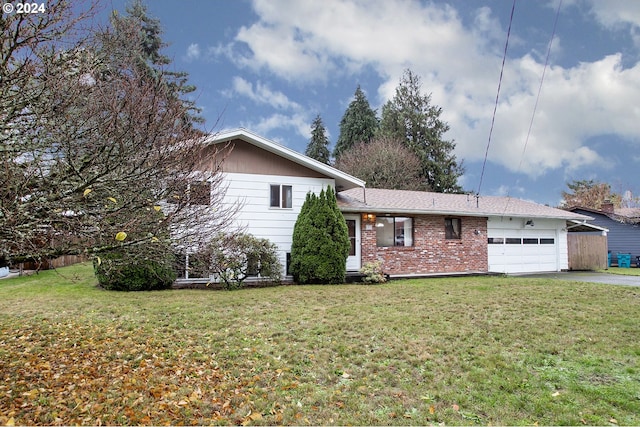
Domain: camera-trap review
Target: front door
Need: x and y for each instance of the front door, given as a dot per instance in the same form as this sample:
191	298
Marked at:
353	225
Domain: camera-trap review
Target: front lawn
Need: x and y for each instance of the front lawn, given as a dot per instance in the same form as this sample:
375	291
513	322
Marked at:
476	350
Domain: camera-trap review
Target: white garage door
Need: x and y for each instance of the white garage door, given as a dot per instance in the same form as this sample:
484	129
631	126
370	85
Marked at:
522	251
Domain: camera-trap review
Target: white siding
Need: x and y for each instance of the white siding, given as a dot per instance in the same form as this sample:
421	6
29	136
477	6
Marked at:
257	217
526	258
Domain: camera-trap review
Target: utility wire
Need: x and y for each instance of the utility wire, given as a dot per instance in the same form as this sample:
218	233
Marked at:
544	71
535	106
495	107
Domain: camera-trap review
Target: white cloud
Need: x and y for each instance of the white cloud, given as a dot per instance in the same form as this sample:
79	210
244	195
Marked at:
193	52
290	115
614	13
262	94
459	65
266	125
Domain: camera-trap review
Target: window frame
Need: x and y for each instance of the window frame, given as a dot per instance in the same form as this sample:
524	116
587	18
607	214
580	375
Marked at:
449	230
394	225
284	194
185	193
197	198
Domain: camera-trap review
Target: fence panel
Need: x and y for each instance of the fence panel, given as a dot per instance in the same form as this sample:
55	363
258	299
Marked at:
587	252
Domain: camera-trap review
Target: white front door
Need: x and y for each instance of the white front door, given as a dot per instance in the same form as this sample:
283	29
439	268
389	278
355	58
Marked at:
353	225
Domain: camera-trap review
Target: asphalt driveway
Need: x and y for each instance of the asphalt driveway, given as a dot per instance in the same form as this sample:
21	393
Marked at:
590	276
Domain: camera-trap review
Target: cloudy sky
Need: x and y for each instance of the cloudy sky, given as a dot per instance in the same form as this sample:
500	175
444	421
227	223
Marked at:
271	66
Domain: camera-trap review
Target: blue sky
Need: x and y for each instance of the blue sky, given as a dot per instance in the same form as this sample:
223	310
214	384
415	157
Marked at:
271	66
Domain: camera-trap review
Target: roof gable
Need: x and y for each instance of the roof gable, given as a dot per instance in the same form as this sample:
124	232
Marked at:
343	180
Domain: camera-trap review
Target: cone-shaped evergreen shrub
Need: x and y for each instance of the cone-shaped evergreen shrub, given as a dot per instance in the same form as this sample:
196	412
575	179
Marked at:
320	241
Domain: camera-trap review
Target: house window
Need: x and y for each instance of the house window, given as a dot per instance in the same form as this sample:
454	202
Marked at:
281	196
394	231
452	228
200	193
195	193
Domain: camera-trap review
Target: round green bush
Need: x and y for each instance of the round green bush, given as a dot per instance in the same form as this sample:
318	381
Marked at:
116	273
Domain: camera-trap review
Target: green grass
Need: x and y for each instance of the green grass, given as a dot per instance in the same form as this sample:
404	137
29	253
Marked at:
472	350
622	271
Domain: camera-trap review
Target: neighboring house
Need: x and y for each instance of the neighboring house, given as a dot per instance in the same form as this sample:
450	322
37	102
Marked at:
623	225
412	232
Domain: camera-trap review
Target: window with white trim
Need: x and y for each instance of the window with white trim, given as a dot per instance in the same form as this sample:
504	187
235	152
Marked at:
281	196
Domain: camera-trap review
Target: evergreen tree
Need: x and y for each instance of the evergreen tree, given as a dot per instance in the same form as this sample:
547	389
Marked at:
359	124
320	244
153	63
411	117
318	147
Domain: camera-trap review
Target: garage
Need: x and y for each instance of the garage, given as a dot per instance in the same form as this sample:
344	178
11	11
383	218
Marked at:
526	245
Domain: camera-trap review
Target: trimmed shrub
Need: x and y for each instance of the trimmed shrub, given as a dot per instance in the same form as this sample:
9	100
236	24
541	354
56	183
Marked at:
320	241
373	272
115	271
234	257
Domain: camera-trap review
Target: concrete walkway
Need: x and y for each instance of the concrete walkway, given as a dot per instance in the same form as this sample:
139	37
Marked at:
590	276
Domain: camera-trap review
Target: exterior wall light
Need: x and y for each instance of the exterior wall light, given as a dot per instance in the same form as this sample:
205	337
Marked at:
369	218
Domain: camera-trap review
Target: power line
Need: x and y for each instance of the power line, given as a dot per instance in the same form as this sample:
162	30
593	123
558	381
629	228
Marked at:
544	71
495	107
535	106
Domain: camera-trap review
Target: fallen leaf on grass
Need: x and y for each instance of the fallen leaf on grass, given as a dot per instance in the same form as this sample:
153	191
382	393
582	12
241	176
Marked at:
251	416
455	407
556	394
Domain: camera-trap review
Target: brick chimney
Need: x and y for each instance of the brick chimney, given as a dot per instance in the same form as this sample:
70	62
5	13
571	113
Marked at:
607	206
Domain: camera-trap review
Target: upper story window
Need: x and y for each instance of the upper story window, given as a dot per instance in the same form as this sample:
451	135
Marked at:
281	196
200	193
452	228
394	231
194	193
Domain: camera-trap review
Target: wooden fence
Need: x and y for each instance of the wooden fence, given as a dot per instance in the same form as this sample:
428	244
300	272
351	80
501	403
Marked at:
47	264
587	252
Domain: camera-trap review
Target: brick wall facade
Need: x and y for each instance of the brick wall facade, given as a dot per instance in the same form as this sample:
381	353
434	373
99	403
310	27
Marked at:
431	252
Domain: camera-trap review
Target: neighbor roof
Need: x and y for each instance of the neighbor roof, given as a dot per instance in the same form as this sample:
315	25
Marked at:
343	180
628	215
376	200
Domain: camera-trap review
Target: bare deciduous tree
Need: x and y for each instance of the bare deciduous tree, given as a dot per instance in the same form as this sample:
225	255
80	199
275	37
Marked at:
383	163
95	154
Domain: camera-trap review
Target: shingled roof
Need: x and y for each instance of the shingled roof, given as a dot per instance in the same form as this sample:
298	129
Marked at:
625	215
377	200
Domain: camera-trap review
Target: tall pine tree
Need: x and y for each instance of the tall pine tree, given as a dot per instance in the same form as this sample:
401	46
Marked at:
411	117
153	63
359	124
318	147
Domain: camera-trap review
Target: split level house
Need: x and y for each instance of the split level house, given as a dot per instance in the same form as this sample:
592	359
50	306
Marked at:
413	233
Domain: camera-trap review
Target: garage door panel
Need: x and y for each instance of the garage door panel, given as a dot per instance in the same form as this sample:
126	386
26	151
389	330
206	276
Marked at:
535	250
